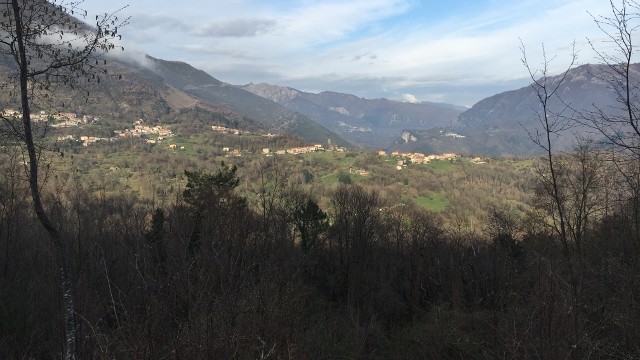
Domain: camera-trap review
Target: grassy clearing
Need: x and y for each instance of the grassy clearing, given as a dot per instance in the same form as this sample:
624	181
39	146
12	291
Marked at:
440	166
180	142
435	202
330	179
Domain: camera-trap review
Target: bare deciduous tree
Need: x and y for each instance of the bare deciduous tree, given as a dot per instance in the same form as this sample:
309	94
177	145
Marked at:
620	123
48	47
553	122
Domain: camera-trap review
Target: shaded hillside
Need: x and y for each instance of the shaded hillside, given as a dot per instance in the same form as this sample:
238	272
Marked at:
502	124
128	93
583	87
439	140
167	92
373	123
207	89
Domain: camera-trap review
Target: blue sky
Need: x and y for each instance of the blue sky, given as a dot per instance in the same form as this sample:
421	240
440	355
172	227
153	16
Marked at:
457	51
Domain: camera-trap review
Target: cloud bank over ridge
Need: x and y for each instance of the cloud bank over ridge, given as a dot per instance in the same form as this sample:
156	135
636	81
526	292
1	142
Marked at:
458	52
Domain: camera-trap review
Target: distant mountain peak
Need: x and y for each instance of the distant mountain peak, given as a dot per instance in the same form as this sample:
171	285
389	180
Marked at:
366	122
501	124
274	93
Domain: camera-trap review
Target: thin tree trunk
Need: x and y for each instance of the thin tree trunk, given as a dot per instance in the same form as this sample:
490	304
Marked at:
54	234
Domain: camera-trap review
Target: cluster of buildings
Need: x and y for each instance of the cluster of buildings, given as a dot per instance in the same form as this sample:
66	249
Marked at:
417	158
228	152
67	119
86	140
59	120
478	160
303	150
70	119
140	129
268	152
226	130
7	113
296	150
175	147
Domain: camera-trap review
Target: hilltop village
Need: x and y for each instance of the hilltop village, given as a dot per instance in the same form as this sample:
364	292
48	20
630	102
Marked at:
155	134
404	158
61	120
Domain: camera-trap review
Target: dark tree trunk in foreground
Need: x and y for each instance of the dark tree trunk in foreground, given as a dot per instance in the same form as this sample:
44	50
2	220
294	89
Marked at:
62	253
27	28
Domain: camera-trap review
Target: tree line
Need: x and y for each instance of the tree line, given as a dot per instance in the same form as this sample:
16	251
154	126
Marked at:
210	275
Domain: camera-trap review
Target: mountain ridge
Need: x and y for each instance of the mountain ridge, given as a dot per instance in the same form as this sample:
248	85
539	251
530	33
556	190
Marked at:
366	122
503	124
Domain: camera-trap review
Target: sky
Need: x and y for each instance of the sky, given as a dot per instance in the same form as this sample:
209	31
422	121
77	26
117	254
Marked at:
456	51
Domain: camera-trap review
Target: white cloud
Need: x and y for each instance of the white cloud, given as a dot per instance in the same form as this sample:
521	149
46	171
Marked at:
325	21
358	44
132	56
237	28
410	98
